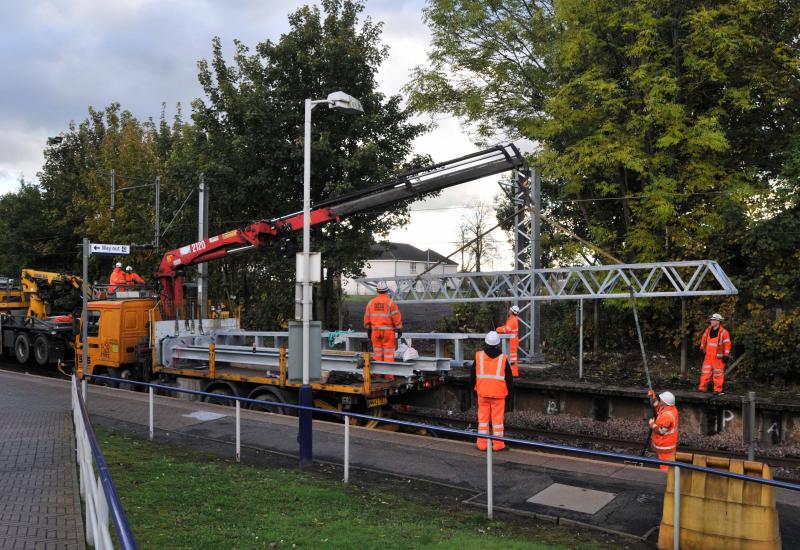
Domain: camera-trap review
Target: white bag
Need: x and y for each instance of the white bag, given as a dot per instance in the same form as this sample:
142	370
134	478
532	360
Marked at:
410	354
402	347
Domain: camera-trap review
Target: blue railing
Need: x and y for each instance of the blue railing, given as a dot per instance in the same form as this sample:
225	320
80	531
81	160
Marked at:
464	433
97	526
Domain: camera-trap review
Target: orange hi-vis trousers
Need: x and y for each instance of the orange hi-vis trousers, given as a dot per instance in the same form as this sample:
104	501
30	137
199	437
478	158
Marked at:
491	409
384	344
667	455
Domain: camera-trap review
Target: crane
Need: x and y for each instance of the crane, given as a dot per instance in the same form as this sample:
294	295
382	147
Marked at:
278	231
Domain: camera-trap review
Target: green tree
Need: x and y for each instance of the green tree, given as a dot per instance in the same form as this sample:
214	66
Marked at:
253	156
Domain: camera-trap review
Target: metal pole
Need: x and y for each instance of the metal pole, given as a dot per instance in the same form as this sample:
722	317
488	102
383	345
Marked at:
596	326
580	339
238	433
150	391
536	263
676	489
157	236
202	234
489	488
751	425
113	198
684	338
305	389
85	310
347	449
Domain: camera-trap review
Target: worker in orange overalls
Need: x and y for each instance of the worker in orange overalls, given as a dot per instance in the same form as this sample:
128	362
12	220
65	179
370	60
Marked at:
131	277
512	327
384	324
117	278
716	344
665	426
493	381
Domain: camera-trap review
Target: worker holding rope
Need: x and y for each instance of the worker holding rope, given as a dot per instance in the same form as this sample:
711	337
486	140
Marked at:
664	426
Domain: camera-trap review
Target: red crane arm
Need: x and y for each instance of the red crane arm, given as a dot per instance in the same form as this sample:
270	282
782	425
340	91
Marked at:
407	186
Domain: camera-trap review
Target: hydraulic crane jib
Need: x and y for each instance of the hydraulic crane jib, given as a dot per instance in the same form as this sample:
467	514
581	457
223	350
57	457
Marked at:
410	185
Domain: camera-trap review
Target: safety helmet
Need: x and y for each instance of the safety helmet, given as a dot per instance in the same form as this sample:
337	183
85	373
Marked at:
492	339
119	264
666	397
129	268
382	286
515	310
716	317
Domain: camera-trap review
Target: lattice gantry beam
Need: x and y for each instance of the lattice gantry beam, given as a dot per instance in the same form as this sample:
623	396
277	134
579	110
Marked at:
648	280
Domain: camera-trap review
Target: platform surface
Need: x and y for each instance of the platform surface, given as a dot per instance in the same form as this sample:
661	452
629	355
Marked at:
631	505
39	492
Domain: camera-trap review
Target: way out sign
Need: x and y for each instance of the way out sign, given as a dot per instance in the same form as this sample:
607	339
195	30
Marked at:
110	249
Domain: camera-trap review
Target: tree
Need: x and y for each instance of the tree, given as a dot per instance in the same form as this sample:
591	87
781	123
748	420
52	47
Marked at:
253	156
662	125
477	244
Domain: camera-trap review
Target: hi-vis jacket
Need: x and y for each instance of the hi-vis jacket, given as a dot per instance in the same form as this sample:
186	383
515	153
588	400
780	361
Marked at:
491	375
382	314
715	348
665	432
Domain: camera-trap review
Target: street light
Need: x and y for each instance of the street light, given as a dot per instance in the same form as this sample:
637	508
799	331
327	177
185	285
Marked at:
345	103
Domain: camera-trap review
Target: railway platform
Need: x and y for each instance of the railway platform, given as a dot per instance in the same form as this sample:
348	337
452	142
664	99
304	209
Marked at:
623	499
39	492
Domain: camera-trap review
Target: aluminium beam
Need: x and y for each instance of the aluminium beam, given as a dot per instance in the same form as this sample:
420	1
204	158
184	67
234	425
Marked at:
680	279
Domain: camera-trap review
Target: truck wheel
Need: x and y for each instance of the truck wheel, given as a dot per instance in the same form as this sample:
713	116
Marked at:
276	395
41	350
125	373
22	348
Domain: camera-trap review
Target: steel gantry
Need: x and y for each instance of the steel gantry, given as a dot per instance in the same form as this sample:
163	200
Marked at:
529	287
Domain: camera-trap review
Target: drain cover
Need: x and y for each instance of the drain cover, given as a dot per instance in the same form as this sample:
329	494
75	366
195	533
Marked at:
204	416
570	497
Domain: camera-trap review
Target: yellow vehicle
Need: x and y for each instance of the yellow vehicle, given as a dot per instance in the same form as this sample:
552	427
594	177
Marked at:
27	324
117	331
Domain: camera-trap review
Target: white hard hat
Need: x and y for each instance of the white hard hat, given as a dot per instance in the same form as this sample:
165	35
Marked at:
492	339
666	397
716	317
119	264
382	286
129	268
515	310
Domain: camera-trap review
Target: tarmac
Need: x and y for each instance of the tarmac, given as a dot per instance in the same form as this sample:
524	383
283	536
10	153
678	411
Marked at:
623	499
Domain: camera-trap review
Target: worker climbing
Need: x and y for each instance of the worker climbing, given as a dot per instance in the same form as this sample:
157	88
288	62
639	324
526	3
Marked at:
117	278
132	278
512	327
716	343
493	381
383	323
664	426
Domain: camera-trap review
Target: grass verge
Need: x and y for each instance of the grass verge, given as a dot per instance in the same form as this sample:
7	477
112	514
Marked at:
179	498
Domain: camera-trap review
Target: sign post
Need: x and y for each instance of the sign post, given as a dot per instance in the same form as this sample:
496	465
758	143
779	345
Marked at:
98	249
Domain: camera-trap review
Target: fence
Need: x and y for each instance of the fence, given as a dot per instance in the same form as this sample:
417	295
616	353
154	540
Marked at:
98	492
678	466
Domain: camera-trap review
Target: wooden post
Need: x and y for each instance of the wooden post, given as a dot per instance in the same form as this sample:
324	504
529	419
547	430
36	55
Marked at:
596	330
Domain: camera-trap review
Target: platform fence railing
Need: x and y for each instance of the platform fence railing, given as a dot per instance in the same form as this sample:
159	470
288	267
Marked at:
347	416
101	502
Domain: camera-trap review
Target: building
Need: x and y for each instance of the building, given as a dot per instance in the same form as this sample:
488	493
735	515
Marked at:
397	260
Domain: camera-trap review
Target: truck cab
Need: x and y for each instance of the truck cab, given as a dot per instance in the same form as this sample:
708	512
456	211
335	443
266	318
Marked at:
115	329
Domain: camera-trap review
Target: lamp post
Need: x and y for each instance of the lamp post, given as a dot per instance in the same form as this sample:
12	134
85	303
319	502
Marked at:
339	101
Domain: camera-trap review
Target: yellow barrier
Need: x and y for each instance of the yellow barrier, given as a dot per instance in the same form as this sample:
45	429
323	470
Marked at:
720	513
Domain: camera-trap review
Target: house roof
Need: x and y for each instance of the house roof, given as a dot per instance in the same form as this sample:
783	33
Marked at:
406	252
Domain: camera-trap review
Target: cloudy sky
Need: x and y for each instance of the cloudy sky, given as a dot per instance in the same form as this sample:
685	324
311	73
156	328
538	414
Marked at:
60	56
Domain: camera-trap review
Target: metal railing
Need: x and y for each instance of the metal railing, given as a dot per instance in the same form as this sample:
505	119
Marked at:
346	415
98	492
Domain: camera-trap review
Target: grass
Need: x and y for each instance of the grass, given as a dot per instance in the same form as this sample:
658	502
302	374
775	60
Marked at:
179	498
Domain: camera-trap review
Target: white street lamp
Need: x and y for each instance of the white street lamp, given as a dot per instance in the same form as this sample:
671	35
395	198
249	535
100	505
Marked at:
339	101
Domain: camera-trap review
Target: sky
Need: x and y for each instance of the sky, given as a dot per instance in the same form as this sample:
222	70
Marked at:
58	57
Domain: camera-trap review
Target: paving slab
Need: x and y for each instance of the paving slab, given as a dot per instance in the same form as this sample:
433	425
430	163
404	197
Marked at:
39	491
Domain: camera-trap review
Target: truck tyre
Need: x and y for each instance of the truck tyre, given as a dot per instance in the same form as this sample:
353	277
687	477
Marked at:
22	348
41	350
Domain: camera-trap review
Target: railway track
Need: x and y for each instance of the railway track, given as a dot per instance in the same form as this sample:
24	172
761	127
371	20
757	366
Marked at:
586	440
788	464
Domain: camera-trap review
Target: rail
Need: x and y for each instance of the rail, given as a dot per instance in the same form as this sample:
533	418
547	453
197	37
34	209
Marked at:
98	492
346	415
